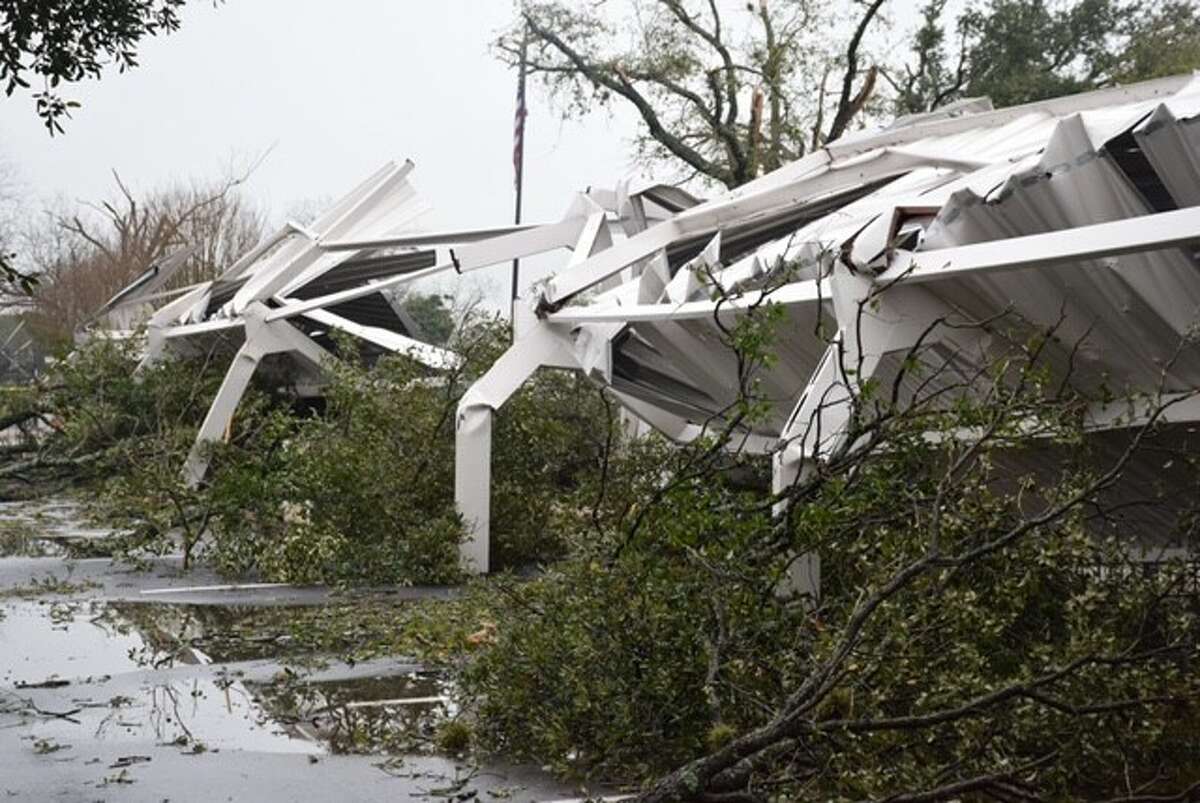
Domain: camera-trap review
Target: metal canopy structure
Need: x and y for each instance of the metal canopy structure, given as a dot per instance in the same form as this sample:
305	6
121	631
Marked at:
1083	212
277	305
1078	212
230	314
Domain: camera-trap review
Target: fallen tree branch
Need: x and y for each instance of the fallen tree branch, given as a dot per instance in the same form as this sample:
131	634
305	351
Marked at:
42	461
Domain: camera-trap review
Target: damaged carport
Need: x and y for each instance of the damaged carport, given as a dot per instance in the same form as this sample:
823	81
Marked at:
1075	212
1071	213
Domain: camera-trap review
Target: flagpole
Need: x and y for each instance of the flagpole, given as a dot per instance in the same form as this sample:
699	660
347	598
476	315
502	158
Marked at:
519	166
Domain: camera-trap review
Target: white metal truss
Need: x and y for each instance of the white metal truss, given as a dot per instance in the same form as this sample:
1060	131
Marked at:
1080	209
1101	241
302	281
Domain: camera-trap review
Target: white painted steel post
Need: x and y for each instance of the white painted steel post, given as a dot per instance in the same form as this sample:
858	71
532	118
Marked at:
540	346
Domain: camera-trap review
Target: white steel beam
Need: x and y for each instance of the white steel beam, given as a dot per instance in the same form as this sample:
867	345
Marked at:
796	293
563	234
425	239
593	237
1053	107
541	346
352	212
1080	244
738	208
473	257
286	230
612	261
204	327
859	143
291	307
424	353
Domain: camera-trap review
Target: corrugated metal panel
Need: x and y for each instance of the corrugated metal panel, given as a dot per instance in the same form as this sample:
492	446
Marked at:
1172	146
372	310
684	366
1155	491
1042	173
222	293
1128	309
360	270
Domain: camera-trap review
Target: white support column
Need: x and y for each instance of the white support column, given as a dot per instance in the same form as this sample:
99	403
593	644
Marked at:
803	576
541	346
868	329
473	483
802	439
220	413
263	337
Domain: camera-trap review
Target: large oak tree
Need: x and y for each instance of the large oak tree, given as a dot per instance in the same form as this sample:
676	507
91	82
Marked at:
1018	51
729	91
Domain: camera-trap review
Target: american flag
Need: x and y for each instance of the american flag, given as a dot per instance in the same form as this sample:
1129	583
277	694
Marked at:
518	164
519	125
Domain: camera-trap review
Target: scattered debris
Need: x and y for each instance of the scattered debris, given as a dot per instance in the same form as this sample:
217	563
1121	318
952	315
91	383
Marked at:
45	746
128	761
122	777
51	683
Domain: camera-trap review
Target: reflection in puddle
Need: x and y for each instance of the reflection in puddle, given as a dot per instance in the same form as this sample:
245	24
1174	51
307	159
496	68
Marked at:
366	715
193	703
45	527
223	633
199	715
123	683
72	640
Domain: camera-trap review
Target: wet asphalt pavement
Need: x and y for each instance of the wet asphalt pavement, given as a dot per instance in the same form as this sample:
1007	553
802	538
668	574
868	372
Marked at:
91	710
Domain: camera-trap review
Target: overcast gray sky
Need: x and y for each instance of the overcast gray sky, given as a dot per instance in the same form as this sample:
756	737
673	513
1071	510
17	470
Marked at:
334	89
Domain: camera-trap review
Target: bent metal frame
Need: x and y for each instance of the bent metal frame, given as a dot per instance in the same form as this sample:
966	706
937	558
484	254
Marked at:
1080	212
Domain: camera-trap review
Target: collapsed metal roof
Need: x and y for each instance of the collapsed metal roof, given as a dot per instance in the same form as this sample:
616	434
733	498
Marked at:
276	306
1079	212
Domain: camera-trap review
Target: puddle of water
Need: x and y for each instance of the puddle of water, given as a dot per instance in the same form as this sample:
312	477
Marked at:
127	683
46	527
83	661
131	694
65	656
187	715
241	632
367	715
224	633
73	641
